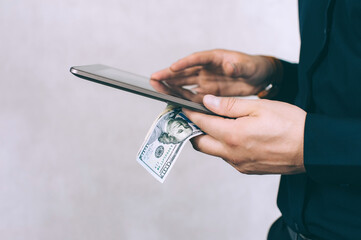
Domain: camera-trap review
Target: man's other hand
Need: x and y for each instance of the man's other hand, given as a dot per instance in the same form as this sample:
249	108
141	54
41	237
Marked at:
217	72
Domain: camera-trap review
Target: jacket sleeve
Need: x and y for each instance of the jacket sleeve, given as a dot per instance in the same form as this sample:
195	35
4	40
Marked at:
332	146
289	84
332	149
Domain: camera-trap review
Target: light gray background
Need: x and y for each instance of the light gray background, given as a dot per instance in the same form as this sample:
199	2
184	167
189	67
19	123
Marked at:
68	146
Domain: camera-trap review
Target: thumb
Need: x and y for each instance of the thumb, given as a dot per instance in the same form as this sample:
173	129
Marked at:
230	106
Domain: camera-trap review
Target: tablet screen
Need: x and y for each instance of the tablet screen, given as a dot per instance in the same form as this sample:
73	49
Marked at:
126	77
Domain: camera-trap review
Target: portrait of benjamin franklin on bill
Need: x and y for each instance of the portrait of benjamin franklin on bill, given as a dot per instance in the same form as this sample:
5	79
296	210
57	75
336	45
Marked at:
171	129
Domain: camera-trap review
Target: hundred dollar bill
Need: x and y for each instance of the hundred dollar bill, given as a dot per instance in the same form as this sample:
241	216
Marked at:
164	142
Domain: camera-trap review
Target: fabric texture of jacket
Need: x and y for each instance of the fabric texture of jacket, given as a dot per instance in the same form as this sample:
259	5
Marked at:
325	202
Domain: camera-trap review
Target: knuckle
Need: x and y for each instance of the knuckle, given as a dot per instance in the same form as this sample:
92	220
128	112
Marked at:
245	168
229	104
238	69
232	140
247	140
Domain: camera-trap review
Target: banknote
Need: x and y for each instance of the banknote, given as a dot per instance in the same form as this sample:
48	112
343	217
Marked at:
165	140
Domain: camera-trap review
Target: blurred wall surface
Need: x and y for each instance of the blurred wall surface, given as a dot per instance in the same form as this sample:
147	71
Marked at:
68	146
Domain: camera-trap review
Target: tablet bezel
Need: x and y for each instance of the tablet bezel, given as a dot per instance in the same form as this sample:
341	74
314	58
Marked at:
88	72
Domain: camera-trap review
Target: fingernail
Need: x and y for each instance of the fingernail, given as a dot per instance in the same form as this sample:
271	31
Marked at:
211	100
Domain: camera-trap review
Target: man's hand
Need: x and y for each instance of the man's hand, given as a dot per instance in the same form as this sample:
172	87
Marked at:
263	136
216	72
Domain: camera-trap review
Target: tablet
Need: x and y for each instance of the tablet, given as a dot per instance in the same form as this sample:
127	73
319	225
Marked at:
133	83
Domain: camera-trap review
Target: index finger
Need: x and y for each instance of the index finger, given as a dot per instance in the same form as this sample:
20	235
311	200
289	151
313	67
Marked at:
169	74
218	127
195	59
